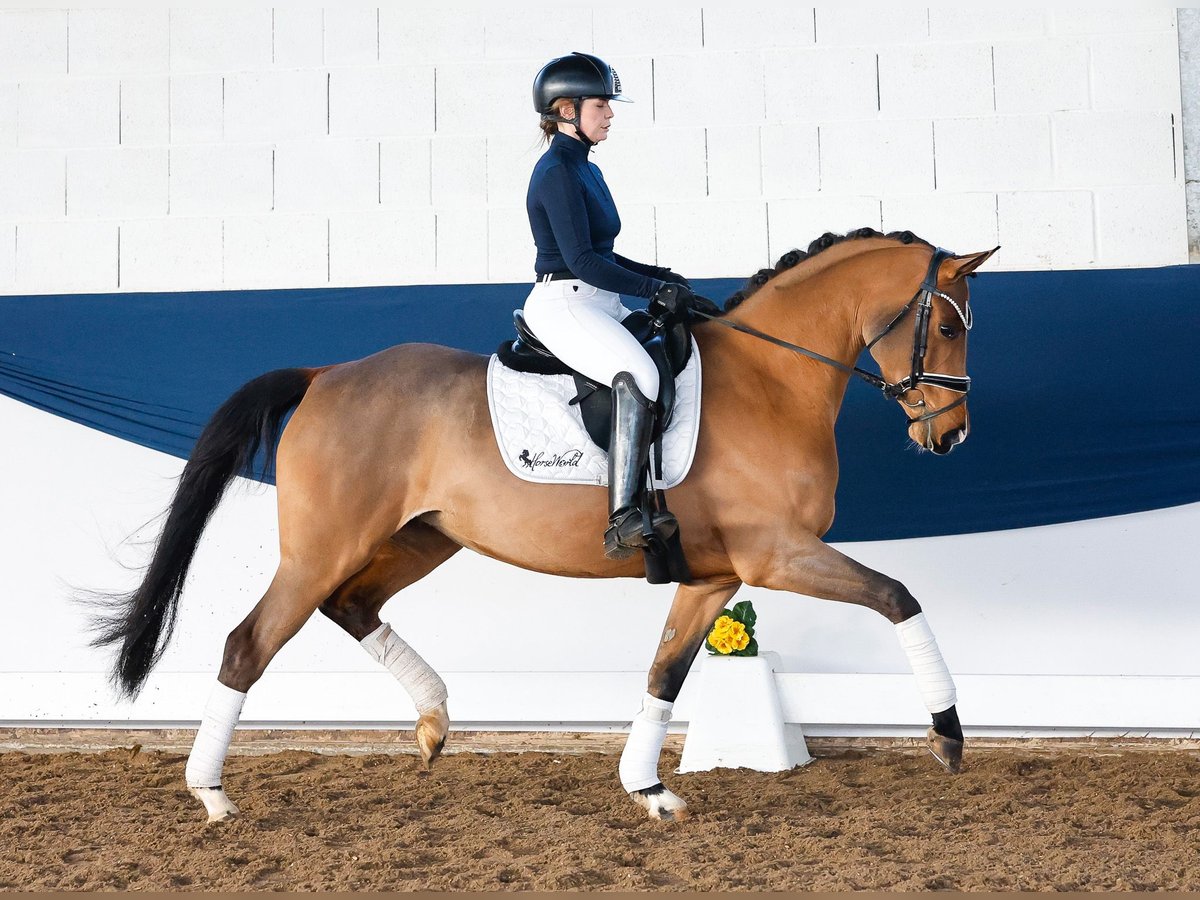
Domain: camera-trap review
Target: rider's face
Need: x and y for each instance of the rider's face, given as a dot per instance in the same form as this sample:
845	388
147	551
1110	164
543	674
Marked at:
595	118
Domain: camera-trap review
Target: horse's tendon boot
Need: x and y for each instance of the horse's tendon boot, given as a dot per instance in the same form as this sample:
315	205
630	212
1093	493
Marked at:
947	751
432	728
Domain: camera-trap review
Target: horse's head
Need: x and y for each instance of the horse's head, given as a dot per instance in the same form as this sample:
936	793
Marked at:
922	351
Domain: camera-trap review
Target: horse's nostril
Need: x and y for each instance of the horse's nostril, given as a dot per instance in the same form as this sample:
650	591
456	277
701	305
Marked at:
954	438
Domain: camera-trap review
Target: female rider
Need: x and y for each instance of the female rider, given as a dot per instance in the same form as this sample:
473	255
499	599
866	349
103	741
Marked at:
574	308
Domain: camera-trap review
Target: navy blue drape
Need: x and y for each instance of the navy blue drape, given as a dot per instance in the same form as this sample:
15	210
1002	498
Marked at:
1085	401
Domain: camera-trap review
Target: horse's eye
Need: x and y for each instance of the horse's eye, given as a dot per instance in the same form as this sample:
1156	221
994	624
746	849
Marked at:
948	332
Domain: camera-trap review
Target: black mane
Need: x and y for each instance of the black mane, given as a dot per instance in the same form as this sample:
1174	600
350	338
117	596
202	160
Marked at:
824	242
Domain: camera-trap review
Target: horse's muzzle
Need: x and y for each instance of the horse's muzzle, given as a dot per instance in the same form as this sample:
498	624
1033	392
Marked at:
949	441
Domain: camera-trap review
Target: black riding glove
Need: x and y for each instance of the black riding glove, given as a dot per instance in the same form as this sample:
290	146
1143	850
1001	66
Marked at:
673	278
670	300
678	301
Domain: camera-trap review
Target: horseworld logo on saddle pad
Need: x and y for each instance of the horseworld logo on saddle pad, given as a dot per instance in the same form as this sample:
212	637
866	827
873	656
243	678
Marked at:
542	438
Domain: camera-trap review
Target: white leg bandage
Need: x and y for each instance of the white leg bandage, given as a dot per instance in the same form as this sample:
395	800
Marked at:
424	685
639	760
933	678
212	740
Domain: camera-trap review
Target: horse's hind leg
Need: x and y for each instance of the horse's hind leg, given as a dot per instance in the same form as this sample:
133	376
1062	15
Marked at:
692	612
409	555
816	569
295	592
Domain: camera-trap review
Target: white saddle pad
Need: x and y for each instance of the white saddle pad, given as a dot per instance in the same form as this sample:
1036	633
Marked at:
542	438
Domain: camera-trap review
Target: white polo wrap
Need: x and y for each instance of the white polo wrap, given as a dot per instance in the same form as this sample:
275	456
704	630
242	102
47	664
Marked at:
933	678
424	685
207	758
639	760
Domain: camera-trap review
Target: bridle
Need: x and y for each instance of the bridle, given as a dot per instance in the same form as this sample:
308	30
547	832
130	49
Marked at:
922	302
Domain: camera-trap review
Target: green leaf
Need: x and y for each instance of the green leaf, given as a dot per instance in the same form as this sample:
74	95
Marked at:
744	613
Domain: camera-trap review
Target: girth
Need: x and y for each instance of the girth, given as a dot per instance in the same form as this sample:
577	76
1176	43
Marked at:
667	342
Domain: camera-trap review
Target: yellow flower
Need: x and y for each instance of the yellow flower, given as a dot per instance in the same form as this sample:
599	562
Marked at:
724	623
718	638
728	635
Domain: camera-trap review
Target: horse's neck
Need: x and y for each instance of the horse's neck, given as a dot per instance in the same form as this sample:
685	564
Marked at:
825	310
818	313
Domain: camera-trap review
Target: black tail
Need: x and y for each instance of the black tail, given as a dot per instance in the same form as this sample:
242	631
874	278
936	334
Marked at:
142	621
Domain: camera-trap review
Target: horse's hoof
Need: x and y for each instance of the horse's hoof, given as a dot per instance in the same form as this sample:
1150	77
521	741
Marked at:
432	728
660	803
945	750
219	807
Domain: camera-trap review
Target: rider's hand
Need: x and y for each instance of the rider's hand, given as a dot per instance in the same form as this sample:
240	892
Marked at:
678	300
674	278
670	299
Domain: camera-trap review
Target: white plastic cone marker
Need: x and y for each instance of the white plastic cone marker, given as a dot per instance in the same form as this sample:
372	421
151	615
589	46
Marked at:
737	720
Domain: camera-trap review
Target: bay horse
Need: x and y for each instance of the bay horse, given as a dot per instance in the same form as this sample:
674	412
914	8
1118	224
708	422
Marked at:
373	494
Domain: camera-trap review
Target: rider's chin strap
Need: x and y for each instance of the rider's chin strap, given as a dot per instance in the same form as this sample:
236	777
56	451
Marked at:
578	104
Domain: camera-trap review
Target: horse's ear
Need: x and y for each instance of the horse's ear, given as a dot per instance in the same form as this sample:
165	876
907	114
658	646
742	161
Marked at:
957	267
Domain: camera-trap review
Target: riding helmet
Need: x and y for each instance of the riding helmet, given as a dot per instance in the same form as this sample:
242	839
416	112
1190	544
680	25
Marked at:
575	77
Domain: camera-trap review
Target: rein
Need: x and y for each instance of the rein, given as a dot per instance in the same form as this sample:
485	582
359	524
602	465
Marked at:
923	300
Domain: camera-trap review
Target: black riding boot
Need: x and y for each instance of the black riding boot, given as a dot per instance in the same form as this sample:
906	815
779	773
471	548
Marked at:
628	451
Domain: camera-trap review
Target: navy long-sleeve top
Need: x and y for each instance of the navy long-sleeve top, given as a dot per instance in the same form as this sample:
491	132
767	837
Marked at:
575	223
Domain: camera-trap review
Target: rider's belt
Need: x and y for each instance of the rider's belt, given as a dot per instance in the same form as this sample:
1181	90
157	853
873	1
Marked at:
557	276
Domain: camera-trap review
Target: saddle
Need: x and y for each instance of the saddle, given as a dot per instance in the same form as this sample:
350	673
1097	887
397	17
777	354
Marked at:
666	339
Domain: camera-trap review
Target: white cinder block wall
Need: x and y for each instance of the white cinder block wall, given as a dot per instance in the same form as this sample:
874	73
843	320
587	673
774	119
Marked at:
182	149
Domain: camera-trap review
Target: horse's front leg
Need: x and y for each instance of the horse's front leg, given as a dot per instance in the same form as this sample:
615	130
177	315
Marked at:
693	610
816	569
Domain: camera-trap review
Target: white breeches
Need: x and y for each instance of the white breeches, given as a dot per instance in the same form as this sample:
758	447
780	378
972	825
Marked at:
581	324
